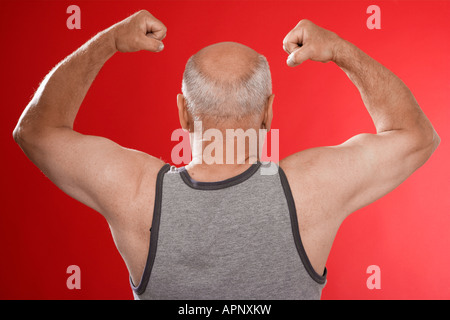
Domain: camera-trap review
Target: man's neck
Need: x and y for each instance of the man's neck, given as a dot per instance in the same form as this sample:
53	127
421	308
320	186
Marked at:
216	172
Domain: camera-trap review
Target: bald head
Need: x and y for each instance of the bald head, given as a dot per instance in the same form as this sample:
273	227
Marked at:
226	61
226	80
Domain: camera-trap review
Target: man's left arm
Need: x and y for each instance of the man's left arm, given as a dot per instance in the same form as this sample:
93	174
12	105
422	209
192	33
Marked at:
93	170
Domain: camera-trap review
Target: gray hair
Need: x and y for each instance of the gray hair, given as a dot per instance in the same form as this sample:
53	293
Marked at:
218	99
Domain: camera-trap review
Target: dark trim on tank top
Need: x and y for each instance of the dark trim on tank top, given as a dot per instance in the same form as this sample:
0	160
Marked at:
216	185
140	288
296	232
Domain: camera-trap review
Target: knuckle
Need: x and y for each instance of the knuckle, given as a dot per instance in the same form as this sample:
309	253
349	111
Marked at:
143	12
288	39
304	23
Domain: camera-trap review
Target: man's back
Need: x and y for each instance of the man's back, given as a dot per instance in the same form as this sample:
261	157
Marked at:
231	239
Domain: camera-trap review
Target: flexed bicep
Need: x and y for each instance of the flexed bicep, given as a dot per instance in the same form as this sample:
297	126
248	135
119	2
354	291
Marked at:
93	170
349	176
378	163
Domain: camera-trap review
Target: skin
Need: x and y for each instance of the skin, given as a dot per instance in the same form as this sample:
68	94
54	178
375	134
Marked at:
227	62
328	183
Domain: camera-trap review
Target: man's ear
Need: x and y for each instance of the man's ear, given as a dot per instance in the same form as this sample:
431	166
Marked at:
183	112
268	113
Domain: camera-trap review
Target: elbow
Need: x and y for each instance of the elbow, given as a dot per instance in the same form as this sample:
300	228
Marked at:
426	136
426	143
435	141
430	139
17	134
24	135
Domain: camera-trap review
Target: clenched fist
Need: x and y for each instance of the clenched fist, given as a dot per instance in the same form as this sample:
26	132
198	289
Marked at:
309	41
140	31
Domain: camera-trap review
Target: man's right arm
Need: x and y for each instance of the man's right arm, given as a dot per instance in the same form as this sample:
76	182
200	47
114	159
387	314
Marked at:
367	166
329	183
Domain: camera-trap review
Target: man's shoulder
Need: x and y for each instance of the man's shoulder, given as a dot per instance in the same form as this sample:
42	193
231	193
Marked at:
306	162
151	168
311	173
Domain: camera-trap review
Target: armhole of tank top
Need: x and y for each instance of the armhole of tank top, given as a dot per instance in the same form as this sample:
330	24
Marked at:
140	288
296	232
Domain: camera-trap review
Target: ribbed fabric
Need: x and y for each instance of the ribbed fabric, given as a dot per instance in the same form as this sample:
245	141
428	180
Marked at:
232	239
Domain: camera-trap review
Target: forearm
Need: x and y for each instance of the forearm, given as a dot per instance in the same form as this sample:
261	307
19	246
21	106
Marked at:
58	98
388	100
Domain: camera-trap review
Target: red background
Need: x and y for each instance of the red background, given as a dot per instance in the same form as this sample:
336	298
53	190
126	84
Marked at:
133	102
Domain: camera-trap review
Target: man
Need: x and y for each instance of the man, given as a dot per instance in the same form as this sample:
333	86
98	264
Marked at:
223	231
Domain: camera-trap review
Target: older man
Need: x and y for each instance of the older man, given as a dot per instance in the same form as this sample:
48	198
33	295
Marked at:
224	231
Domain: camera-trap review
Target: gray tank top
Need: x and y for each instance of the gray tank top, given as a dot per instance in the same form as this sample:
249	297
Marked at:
232	239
